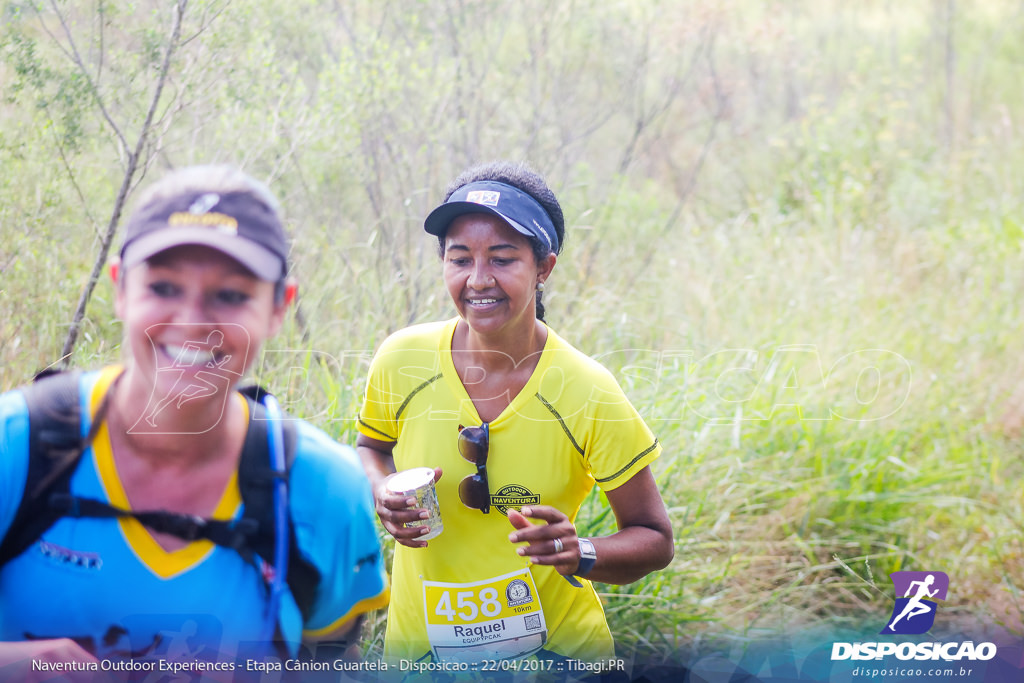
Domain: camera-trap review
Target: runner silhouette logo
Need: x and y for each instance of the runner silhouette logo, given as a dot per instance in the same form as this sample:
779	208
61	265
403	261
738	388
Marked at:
916	592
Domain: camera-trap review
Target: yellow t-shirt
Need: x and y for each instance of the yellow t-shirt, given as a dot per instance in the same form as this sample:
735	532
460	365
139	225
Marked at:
570	427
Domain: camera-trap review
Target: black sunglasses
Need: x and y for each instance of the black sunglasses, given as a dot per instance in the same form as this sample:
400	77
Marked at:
473	490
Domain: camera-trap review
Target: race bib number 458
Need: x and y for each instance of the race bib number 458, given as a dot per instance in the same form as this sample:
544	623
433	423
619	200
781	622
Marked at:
498	618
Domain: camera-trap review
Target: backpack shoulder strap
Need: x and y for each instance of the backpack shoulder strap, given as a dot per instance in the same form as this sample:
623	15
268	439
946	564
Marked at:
55	446
256	483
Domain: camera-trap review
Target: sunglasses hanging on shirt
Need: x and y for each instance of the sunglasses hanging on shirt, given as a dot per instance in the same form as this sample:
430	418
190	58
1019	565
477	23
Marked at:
474	491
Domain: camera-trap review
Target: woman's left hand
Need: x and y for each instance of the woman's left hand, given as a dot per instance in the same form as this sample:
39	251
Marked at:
554	543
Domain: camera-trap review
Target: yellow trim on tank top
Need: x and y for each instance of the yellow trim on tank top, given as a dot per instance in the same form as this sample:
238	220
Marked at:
163	563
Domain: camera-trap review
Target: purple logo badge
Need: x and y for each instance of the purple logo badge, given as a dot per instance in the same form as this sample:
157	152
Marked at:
916	592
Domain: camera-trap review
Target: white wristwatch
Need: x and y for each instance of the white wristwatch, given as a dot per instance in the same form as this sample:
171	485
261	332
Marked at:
588	556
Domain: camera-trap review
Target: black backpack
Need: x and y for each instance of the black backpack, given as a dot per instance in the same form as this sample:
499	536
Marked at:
56	445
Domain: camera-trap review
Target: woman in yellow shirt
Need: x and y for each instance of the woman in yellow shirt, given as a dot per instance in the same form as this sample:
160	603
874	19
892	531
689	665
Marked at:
525	425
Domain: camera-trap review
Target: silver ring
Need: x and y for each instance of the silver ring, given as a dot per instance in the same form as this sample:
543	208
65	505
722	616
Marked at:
558	545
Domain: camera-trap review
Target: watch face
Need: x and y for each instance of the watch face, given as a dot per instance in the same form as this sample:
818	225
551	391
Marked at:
587	548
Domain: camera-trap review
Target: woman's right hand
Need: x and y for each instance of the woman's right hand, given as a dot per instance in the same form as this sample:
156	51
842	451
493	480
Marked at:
395	511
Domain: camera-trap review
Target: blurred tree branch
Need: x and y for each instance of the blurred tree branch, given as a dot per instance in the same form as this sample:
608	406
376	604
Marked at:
133	155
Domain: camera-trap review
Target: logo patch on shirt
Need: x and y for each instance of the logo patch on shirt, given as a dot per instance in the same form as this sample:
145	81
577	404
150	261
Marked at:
513	496
70	558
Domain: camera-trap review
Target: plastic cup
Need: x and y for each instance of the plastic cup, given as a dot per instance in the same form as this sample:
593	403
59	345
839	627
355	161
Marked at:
419	483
